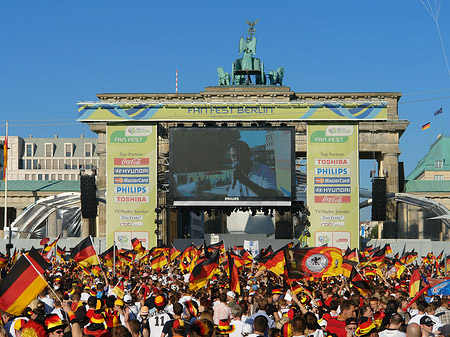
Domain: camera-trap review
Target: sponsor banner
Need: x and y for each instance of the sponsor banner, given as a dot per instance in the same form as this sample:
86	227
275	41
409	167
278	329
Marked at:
131	161
130	189
138	112
332	199
332	181
333	184
131	184
331	162
131	180
323	189
338	171
126	170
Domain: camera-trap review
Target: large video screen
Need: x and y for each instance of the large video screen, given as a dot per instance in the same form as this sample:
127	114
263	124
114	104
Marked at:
232	166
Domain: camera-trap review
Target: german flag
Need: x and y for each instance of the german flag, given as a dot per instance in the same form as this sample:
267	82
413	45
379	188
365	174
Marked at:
137	246
414	283
96	270
238	261
23	283
86	271
439	257
203	271
84	253
234	275
173	253
119	289
124	257
14	256
159	261
378	258
49	250
276	262
108	255
246	256
313	262
388	248
3	261
358	282
347	266
219	245
61	252
263	254
351	254
410	257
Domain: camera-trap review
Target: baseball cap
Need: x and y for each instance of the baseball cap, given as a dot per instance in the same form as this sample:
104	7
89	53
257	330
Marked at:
231	294
426	320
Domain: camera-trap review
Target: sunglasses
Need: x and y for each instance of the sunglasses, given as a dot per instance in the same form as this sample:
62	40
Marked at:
59	332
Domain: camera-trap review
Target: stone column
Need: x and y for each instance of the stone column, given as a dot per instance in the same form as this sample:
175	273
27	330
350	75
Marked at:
51	225
388	168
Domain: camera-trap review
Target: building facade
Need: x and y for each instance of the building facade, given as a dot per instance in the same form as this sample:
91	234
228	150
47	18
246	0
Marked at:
49	158
429	179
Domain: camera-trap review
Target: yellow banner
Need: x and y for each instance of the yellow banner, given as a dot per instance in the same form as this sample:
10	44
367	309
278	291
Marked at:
333	185
131	188
189	112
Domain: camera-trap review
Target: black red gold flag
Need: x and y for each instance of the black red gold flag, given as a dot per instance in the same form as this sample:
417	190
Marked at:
137	245
276	262
358	282
173	253
347	266
159	261
234	275
23	283
313	262
378	258
84	253
203	271
415	282
109	253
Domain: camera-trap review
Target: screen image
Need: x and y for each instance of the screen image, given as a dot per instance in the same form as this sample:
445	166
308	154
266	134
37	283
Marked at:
232	166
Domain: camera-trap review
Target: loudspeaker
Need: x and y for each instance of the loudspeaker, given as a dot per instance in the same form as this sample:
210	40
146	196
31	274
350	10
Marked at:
379	199
88	198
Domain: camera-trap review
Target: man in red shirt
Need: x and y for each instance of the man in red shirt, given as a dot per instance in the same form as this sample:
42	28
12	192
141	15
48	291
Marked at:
337	325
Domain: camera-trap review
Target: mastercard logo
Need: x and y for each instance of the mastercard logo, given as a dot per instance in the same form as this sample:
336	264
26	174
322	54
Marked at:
319	180
118	180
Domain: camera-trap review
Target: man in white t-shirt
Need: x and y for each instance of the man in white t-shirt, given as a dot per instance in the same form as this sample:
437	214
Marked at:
393	327
236	313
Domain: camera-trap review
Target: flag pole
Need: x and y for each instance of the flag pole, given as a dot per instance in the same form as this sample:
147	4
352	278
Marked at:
37	271
5	179
114	258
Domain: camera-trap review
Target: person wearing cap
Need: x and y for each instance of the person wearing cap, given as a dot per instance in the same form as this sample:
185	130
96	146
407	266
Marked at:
231	299
392	329
167	329
54	325
179	328
444	331
133	310
366	328
426	324
158	320
351	324
224	328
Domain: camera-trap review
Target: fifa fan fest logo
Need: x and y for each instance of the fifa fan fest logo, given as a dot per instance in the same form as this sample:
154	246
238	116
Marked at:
122	239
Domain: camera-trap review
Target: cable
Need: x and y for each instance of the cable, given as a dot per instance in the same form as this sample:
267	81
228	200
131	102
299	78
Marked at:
425	92
424	100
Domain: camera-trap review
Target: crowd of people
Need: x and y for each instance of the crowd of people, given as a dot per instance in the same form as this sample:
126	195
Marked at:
159	303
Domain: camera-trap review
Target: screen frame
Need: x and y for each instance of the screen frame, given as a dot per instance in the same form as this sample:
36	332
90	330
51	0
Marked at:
249	201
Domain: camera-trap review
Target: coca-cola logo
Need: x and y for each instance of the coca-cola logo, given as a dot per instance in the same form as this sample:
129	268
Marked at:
332	199
131	161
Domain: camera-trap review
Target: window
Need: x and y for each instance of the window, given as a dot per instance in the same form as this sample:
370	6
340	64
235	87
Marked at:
39	176
29	150
439	177
53	176
36	165
48	164
49	150
88	150
68	150
28	167
438	164
27	177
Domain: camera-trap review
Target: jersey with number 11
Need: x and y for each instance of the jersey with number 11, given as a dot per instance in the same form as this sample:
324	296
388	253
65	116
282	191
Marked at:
156	324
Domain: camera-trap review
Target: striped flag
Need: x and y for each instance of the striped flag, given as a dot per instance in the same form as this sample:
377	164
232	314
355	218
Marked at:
234	275
159	261
358	282
438	111
203	271
414	283
119	289
84	253
137	246
23	283
426	126
173	253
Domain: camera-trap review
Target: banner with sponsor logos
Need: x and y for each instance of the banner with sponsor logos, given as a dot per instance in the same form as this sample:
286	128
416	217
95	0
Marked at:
333	185
131	195
142	112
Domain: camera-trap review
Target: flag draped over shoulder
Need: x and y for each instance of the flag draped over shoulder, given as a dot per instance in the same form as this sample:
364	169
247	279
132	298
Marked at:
313	262
203	271
23	283
84	253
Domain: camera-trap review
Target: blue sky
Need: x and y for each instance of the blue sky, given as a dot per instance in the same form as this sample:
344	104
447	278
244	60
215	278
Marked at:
55	53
